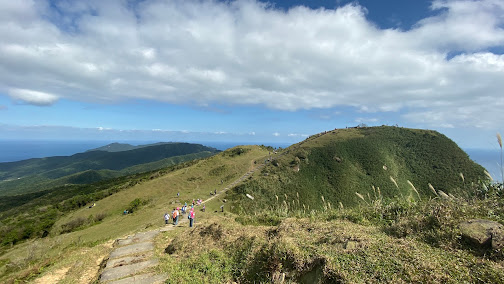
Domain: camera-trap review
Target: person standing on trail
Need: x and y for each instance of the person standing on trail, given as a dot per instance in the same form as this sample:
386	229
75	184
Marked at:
203	208
191	218
166	218
175	216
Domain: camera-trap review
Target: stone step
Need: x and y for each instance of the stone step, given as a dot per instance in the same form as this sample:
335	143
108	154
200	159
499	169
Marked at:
116	262
142	279
137	238
127	270
131	249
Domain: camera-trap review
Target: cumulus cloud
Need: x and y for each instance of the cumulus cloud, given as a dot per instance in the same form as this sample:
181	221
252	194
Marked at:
276	134
249	53
32	97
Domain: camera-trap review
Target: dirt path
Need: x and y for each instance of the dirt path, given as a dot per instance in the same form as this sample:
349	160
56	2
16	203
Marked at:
133	255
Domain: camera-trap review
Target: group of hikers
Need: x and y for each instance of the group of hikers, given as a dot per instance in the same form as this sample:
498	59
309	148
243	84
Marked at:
178	211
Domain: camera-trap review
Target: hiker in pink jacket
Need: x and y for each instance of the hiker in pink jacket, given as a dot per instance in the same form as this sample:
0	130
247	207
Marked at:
191	217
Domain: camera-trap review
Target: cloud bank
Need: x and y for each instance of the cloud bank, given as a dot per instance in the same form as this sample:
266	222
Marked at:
440	72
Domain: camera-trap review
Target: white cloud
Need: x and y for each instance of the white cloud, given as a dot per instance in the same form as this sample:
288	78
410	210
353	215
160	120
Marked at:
33	97
276	134
463	25
366	120
246	52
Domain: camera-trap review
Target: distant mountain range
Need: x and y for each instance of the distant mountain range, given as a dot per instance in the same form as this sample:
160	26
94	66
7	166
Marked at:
120	147
109	161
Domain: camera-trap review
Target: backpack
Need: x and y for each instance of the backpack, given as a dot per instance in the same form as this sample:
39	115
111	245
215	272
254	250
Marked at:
175	214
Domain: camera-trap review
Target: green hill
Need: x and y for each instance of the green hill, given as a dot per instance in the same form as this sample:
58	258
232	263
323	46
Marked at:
402	239
334	166
38	174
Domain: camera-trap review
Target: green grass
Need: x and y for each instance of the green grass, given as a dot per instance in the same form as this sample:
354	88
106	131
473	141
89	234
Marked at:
340	163
396	241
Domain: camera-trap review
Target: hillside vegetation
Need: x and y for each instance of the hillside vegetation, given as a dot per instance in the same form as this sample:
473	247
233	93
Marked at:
33	175
340	165
59	228
291	227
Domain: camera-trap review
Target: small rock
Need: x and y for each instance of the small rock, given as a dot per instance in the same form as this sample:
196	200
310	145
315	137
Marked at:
483	232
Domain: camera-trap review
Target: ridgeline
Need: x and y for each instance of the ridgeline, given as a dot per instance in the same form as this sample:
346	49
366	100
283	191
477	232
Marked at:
357	205
99	164
338	166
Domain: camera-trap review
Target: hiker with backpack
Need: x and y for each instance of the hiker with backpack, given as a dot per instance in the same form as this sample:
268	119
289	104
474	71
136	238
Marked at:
191	217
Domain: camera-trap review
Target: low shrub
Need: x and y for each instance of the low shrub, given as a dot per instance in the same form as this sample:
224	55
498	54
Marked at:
73	225
136	204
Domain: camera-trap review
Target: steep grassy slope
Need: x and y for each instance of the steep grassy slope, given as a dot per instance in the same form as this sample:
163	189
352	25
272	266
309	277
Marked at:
338	164
37	174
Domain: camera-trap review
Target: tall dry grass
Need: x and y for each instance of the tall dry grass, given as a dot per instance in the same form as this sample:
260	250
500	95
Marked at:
414	189
499	140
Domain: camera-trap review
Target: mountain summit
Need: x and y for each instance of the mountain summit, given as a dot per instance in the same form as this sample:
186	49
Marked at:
339	165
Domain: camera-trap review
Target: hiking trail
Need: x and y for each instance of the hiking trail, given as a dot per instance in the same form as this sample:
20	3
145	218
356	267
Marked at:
133	255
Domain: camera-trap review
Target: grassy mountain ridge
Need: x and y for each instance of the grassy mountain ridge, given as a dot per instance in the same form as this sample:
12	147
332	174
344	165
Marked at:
36	174
338	164
399	239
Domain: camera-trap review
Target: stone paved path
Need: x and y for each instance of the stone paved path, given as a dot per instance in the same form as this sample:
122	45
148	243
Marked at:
133	255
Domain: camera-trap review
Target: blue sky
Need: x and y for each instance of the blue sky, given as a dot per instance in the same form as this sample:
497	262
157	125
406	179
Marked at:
249	71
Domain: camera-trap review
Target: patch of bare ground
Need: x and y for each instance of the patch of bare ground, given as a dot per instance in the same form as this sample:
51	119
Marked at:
53	277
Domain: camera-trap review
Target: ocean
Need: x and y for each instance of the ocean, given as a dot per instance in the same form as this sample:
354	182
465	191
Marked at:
16	150
489	159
